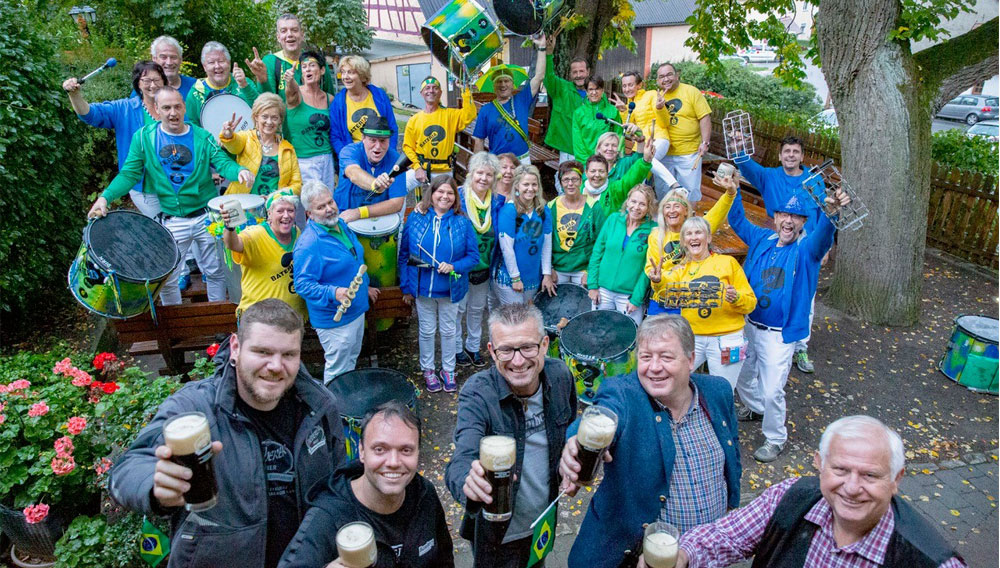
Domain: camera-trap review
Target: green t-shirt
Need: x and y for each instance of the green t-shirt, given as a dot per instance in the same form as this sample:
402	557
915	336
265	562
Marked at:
267	176
308	130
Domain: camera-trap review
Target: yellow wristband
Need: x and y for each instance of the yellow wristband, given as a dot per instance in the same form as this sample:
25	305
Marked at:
372	188
363	211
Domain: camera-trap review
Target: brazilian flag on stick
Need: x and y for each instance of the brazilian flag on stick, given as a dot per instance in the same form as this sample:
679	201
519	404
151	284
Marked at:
544	535
155	545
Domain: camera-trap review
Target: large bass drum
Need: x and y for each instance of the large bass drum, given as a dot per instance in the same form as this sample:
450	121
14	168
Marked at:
598	345
526	17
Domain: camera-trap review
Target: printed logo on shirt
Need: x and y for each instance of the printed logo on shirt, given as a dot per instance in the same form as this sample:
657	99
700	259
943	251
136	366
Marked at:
268	170
433	135
569	224
425	547
361	117
279	467
398	549
673	107
672	250
530	231
318	129
703	313
534	423
173	157
772	278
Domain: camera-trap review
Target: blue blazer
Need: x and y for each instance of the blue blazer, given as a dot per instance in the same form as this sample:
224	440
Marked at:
340	136
321	264
456	245
643	451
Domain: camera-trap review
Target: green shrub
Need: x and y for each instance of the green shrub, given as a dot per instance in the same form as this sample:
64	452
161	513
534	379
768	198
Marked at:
953	148
746	86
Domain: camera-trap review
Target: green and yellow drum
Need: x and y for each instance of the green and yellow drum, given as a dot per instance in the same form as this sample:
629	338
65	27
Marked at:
570	301
378	237
972	357
462	36
596	346
122	264
361	390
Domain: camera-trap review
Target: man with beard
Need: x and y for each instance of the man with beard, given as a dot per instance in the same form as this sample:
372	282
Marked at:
429	140
325	262
530	398
221	76
564	98
384	490
782	266
365	189
276	433
172	159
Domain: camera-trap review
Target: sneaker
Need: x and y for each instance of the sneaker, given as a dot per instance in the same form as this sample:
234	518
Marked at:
184	282
431	379
462	358
477	359
449	381
744	414
802	362
768	452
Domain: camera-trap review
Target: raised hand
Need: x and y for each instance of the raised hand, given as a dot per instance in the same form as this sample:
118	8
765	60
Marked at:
229	127
661	101
539	41
731	294
289	76
257	67
619	103
71	85
247	178
647	152
239	76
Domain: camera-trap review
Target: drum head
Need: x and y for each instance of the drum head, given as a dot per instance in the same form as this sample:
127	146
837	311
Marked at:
983	328
570	301
136	247
598	335
376	226
361	390
219	109
525	17
248	201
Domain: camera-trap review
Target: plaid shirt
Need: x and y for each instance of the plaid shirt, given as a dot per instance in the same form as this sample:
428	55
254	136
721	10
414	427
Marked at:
698	484
736	536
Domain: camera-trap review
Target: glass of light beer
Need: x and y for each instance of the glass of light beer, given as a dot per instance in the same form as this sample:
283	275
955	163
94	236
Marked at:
497	455
597	431
190	441
660	545
356	545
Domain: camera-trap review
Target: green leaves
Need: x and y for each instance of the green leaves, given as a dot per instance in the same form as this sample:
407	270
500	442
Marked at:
953	148
332	24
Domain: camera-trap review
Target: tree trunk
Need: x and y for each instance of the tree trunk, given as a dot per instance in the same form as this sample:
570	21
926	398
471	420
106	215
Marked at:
885	132
584	41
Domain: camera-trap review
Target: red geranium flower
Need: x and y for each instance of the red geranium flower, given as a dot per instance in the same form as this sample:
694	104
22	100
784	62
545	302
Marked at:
76	424
36	513
109	388
64	447
61	465
38	409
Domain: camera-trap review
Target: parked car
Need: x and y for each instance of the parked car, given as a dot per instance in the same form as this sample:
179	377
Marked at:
989	129
758	54
826	118
971	108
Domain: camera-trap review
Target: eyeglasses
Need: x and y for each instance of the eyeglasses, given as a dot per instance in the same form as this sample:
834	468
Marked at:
529	351
150	82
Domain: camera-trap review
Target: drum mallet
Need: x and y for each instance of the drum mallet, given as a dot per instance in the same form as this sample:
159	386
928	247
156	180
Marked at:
600	116
352	290
111	62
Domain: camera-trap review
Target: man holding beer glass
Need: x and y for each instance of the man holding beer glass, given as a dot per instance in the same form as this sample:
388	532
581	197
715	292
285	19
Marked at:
510	430
675	447
378	506
276	433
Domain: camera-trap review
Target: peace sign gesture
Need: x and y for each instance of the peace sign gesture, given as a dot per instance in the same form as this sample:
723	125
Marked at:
257	67
229	127
661	101
618	102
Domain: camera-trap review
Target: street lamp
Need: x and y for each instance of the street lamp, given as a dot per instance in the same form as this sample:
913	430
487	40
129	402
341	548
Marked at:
82	16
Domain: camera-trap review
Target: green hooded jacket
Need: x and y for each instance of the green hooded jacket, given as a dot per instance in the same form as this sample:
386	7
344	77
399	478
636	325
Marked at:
587	128
564	99
619	269
577	256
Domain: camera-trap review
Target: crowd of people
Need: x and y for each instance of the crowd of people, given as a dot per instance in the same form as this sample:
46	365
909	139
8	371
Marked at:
472	257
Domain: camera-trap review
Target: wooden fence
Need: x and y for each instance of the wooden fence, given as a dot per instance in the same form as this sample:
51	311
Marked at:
962	211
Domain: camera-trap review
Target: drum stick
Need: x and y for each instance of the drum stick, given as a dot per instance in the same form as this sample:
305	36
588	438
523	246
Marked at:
351	291
111	62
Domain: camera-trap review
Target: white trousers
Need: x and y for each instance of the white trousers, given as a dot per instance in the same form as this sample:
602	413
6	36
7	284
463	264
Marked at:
147	203
341	347
506	295
434	315
411	178
803	344
770	359
690	178
619	303
190	234
570	277
472	311
319	168
709	348
662	178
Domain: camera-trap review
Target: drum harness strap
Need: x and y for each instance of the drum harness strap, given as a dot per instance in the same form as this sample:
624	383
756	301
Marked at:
511	119
152	308
115	289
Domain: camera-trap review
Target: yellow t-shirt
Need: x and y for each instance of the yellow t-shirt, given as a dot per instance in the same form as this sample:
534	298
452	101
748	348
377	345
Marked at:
644	113
568	222
429	139
267	270
685	107
358	114
728	317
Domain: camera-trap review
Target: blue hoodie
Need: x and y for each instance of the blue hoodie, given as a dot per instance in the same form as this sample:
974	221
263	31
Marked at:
777	187
449	238
125	116
321	264
797	275
340	136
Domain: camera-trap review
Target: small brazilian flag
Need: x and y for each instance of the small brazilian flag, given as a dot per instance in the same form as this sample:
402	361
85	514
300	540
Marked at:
544	535
155	545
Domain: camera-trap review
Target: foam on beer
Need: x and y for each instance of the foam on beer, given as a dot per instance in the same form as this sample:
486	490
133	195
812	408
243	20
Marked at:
356	545
187	434
497	453
596	432
660	550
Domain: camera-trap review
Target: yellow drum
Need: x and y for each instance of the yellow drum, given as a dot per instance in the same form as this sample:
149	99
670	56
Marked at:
378	237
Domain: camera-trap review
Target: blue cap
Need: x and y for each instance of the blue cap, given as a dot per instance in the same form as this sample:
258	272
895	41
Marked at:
794	206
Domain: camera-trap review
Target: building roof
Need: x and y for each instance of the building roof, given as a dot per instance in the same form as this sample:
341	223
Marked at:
387	49
648	13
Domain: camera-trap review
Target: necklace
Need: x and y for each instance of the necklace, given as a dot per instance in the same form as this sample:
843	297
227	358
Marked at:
698	268
266	147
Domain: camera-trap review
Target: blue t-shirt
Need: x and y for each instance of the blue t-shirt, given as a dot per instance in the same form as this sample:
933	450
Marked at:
350	196
767	274
185	88
777	187
501	135
528	233
176	155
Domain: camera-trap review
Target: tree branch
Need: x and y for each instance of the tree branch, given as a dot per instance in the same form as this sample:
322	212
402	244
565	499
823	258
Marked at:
953	66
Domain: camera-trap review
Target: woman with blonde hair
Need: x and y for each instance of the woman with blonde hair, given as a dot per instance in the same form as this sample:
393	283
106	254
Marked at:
262	150
664	241
615	276
718	331
357	103
525	237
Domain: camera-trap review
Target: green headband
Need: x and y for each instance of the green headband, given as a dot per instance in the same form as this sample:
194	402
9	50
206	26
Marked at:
680	200
430	81
374	132
276	195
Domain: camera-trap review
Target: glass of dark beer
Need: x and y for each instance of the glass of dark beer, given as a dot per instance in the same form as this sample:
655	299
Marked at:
497	455
190	441
597	431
